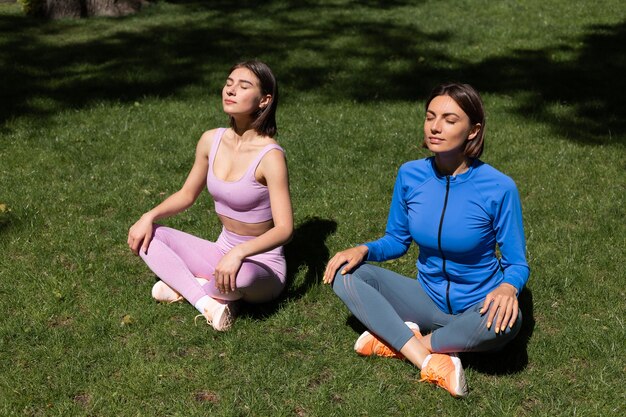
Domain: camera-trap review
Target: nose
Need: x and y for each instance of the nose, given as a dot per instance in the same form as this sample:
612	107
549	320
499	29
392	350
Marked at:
230	90
435	125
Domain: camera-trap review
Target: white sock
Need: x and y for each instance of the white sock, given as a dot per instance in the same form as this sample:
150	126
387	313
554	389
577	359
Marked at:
426	360
202	303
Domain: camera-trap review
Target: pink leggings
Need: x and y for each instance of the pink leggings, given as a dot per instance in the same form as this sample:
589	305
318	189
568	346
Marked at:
177	258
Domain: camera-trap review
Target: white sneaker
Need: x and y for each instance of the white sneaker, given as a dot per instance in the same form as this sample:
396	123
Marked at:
163	293
220	315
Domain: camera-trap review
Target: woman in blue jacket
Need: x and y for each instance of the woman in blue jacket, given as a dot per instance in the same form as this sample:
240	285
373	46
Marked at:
457	209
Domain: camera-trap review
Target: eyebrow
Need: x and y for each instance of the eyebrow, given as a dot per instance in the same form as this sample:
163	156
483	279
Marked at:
242	81
445	114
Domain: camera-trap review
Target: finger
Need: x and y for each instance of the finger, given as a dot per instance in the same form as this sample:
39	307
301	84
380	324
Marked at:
218	283
146	244
233	282
493	309
331	270
500	315
499	312
349	266
485	306
514	314
505	320
222	283
226	283
327	272
506	316
133	246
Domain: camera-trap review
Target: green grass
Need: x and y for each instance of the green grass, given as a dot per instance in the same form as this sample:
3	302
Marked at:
98	122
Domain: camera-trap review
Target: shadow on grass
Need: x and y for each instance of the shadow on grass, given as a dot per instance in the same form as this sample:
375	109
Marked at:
307	252
5	220
578	91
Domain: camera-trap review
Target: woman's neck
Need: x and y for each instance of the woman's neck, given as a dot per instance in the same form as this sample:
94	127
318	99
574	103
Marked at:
452	164
243	130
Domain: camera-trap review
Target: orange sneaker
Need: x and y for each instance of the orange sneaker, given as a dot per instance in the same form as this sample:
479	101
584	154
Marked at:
368	345
445	371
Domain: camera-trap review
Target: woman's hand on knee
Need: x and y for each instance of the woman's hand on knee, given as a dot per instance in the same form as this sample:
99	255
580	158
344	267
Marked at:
502	306
140	234
226	272
350	257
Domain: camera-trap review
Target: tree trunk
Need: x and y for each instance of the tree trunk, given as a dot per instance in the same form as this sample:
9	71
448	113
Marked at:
112	7
58	9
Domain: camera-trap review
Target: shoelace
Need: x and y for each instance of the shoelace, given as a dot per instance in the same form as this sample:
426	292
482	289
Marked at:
195	320
384	350
433	377
227	323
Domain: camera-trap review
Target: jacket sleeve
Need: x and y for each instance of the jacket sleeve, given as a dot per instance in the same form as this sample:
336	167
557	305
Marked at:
509	230
397	239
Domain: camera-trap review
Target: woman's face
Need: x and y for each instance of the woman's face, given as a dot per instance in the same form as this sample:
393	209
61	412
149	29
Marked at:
447	126
241	94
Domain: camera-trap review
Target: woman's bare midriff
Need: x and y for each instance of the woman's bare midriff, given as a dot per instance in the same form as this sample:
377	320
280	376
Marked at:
246	229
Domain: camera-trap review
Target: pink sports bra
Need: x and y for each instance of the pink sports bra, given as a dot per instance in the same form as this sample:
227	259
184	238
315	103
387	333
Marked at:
244	200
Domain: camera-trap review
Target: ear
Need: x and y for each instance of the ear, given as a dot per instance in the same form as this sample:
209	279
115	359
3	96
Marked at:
266	100
474	131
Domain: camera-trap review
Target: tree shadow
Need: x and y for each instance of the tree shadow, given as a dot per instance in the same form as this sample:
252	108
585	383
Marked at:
577	91
582	98
513	358
306	256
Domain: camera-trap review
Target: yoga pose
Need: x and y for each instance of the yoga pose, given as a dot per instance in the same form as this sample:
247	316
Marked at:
245	172
457	209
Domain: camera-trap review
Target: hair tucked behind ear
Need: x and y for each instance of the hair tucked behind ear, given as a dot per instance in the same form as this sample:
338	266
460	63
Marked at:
265	119
470	102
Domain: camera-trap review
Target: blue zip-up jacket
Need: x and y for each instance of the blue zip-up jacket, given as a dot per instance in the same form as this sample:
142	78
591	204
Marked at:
456	222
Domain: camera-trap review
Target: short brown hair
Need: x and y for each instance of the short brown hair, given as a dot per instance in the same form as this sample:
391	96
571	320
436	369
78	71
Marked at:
470	102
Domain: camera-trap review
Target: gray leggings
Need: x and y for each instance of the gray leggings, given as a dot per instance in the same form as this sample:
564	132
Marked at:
383	300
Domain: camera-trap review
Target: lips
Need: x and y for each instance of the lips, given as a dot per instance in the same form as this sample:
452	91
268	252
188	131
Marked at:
434	140
227	101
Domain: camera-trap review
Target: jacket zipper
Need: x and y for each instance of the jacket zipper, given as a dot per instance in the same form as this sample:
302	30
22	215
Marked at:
443	256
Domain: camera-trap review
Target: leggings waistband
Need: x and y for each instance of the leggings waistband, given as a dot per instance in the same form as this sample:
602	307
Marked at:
229	240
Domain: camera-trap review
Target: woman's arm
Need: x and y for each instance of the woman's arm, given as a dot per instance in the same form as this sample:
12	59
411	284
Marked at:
140	233
397	239
501	304
274	169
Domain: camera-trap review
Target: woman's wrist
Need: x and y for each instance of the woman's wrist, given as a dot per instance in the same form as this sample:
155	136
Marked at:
149	216
511	286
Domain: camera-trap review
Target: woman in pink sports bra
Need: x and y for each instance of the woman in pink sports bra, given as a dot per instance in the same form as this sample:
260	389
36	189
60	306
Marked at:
245	172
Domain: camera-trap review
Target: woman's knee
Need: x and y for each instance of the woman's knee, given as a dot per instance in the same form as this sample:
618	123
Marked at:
161	233
340	281
498	340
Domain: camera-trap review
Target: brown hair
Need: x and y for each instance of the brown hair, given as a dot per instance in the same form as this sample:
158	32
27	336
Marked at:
265	119
470	102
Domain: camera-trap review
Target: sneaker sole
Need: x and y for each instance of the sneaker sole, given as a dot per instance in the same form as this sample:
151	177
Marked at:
459	374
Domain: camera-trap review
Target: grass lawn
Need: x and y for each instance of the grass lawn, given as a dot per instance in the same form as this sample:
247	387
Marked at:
98	123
